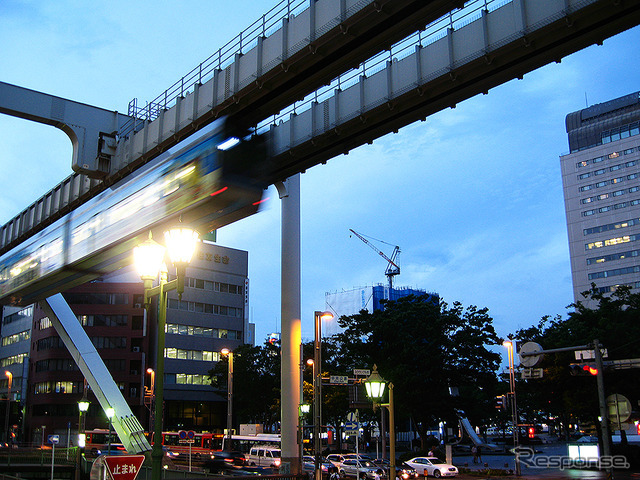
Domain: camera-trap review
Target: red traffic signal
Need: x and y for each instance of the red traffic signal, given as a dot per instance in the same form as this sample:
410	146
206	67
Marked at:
583	369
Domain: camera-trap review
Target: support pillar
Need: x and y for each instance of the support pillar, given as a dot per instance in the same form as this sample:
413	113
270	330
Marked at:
291	336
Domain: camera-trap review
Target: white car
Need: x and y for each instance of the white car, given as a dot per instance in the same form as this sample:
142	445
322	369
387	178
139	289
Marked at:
432	466
352	467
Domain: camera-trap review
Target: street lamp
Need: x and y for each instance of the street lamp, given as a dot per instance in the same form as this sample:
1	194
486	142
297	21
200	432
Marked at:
83	406
229	354
6	416
319	317
375	389
514	409
110	412
181	243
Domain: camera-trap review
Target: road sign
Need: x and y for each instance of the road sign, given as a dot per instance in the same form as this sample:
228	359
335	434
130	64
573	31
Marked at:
618	409
339	379
590	354
186	436
527	354
528	373
124	467
351	425
361	372
53	439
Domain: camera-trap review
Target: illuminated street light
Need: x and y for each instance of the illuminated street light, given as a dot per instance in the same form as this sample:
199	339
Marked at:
110	412
229	354
149	257
83	406
319	317
375	386
514	409
8	407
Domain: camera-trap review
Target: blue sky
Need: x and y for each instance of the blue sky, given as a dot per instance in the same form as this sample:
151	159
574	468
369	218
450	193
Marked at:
473	196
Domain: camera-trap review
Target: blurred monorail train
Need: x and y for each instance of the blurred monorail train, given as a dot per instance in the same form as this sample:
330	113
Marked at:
207	183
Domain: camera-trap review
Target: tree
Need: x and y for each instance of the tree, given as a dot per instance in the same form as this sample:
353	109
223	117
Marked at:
613	321
425	348
256	383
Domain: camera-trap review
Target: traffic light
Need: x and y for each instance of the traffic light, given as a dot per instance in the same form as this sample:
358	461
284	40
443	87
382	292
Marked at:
501	402
583	369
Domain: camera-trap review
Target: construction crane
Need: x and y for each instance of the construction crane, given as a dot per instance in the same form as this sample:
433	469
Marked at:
392	268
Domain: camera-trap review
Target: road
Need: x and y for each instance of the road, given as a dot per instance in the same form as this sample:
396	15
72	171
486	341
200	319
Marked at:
506	463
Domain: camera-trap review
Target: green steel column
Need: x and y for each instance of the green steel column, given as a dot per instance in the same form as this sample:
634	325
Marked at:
156	452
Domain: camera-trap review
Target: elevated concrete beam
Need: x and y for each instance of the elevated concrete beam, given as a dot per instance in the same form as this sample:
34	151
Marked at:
91	129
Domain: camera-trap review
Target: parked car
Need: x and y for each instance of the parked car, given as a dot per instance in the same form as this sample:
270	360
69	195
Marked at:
264	456
403	471
352	467
224	460
432	466
338	458
309	466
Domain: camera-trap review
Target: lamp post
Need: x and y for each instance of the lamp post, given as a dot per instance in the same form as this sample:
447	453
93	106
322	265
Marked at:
303	410
151	392
110	412
319	317
6	416
514	409
375	389
181	243
229	354
83	406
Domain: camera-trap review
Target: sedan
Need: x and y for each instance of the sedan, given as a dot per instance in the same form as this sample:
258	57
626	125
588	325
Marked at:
432	466
403	471
360	468
224	460
406	472
338	458
309	466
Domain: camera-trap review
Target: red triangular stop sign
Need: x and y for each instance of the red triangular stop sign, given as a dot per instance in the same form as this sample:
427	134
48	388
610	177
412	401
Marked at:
124	467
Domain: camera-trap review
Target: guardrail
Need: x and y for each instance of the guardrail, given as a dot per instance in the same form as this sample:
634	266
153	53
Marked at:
37	456
243	42
454	20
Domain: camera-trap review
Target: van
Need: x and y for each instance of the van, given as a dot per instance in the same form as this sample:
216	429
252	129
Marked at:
264	456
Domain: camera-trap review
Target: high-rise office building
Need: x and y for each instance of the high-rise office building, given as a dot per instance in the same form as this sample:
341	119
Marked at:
601	181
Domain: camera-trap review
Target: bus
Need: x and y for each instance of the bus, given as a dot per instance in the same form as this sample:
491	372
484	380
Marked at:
203	446
97	441
243	443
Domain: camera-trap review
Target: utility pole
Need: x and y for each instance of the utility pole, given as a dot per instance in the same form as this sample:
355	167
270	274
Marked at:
604	414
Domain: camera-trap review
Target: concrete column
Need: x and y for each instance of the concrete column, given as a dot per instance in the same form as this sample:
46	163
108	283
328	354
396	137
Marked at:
291	337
